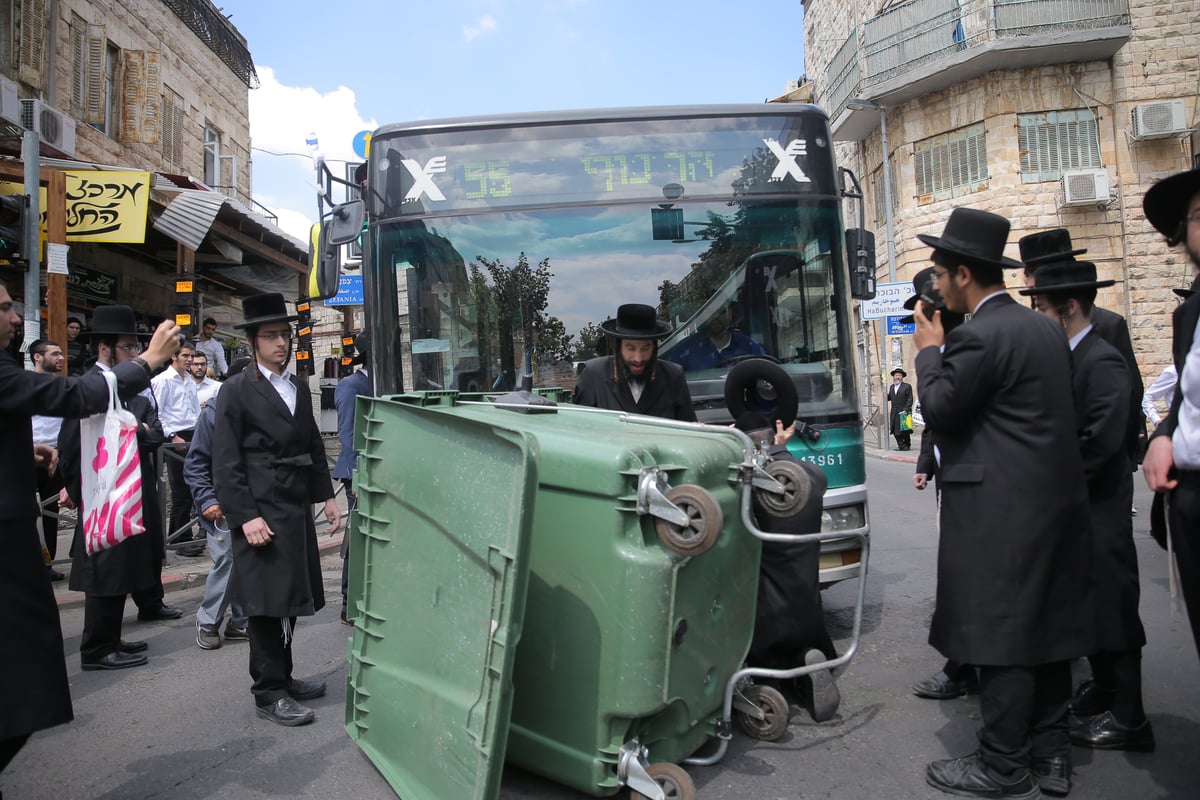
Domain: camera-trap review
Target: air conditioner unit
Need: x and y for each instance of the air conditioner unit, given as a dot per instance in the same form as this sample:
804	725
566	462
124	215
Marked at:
1160	119
1085	187
792	85
52	126
10	106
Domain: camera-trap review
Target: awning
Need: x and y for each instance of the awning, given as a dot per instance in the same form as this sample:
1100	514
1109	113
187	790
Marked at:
189	216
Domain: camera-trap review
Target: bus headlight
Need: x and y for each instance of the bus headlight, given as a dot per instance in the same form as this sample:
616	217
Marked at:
844	518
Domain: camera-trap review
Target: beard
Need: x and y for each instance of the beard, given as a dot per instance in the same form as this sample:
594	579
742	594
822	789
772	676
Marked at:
625	374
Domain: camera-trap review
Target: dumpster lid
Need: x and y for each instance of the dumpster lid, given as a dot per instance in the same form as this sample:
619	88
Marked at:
449	603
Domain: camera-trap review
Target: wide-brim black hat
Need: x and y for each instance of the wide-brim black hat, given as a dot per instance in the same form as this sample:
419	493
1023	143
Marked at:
903	374
974	235
636	321
1046	247
113	321
1066	276
1166	202
919	281
259	309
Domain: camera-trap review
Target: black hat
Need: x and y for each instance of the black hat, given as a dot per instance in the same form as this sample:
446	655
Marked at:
636	321
974	235
1166	202
920	284
1066	276
114	321
260	309
237	365
1047	247
903	374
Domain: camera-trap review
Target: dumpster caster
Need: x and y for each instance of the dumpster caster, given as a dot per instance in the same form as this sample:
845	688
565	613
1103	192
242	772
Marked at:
796	490
672	780
769	720
704	521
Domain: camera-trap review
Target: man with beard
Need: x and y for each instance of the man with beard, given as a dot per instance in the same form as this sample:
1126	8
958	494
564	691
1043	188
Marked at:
48	358
717	344
269	468
634	379
1172	463
1014	551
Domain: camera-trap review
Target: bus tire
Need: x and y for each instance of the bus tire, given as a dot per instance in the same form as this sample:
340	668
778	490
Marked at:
760	387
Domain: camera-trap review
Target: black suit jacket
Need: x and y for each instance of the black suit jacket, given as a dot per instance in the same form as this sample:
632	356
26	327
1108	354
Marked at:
665	394
1015	550
1111	328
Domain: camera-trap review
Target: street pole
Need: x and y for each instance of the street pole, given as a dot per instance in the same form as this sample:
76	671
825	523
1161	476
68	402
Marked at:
891	256
31	241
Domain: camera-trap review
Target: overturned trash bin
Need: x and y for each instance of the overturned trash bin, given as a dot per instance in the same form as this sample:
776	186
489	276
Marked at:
570	587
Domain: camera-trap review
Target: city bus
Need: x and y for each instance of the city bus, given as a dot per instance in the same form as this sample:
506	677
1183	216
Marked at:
492	248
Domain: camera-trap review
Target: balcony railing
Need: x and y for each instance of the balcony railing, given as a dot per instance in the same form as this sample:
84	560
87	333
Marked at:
910	35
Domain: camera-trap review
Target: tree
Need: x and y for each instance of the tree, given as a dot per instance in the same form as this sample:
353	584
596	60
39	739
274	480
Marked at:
519	295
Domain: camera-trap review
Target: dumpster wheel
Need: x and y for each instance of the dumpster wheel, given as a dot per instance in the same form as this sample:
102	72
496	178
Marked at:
773	707
704	521
796	489
676	784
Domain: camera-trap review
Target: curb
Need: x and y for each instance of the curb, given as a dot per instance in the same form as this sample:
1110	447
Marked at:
888	456
178	577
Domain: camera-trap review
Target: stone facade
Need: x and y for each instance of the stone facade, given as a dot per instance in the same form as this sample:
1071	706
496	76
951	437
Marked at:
1159	61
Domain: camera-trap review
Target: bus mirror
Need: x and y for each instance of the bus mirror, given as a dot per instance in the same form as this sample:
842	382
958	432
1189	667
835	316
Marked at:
322	262
667	223
860	249
345	223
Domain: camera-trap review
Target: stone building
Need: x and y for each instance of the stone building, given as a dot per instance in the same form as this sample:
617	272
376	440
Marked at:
1054	113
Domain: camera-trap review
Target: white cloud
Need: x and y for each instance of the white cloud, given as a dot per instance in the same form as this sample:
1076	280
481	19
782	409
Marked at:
281	118
484	25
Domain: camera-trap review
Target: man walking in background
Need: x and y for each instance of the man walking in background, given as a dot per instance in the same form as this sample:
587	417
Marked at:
48	359
178	408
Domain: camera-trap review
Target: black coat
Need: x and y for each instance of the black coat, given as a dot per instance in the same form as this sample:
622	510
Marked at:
1014	556
1101	388
901	399
269	463
665	394
1111	327
134	564
34	693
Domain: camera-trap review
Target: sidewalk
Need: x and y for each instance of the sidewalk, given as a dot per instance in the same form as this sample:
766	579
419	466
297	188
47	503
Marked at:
892	454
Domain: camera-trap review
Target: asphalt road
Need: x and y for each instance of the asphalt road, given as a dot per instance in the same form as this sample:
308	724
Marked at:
184	727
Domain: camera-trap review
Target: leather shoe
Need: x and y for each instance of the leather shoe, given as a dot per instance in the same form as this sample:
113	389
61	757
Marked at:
55	575
1091	699
969	777
115	660
1103	732
1053	774
132	647
942	687
164	611
821	696
191	550
286	711
306	690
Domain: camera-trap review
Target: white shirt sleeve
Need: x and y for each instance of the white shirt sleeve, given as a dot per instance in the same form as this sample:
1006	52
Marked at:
1161	389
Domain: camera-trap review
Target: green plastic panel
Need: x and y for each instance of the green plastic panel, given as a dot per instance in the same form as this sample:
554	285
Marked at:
839	454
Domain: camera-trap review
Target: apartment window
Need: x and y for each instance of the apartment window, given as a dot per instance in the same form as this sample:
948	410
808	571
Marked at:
1056	141
171	134
112	110
212	157
951	164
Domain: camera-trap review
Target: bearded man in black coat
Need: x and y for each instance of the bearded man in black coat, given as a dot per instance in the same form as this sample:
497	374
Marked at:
1014	576
34	693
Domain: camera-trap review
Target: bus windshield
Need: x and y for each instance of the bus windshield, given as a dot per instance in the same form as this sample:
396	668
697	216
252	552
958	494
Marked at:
509	244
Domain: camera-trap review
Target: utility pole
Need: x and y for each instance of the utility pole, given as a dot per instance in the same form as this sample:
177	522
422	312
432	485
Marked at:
31	237
56	233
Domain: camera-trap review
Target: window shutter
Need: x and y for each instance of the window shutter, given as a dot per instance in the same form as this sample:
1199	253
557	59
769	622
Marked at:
93	101
140	114
78	63
171	133
31	46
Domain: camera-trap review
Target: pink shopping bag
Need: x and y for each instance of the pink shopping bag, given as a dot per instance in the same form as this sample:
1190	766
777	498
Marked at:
112	475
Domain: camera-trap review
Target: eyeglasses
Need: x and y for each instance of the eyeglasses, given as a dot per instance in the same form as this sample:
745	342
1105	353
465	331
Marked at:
136	347
276	336
939	274
1194	217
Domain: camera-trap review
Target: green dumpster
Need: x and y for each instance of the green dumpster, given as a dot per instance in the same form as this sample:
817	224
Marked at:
610	546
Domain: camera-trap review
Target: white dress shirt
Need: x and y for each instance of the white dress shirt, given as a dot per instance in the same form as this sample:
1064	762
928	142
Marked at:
1162	389
1186	439
283	386
45	430
206	390
216	355
178	405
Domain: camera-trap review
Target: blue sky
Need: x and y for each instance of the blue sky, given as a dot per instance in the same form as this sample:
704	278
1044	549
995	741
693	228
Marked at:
337	70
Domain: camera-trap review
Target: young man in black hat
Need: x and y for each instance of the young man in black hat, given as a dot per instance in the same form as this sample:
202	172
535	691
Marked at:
900	400
1014	545
1111	703
34	693
269	465
1172	462
635	379
133	567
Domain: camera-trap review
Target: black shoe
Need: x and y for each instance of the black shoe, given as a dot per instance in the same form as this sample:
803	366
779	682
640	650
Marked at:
1091	699
941	687
306	690
969	777
55	575
132	647
117	660
1053	774
1103	732
821	697
287	711
164	611
343	617
191	550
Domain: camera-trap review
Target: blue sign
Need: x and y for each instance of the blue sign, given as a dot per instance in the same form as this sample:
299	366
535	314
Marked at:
897	328
362	143
349	293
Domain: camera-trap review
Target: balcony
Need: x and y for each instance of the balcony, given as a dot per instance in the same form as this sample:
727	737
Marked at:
924	46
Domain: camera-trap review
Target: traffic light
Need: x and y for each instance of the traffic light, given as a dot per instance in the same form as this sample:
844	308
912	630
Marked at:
12	224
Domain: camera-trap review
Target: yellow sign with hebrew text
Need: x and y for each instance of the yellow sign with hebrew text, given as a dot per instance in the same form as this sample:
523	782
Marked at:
102	206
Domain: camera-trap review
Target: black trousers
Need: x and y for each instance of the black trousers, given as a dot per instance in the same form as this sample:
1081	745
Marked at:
270	658
48	486
101	626
1183	516
903	439
351	504
181	495
958	672
1024	715
9	749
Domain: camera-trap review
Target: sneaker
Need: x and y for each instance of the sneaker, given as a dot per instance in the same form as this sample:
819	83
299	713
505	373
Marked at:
208	637
233	634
